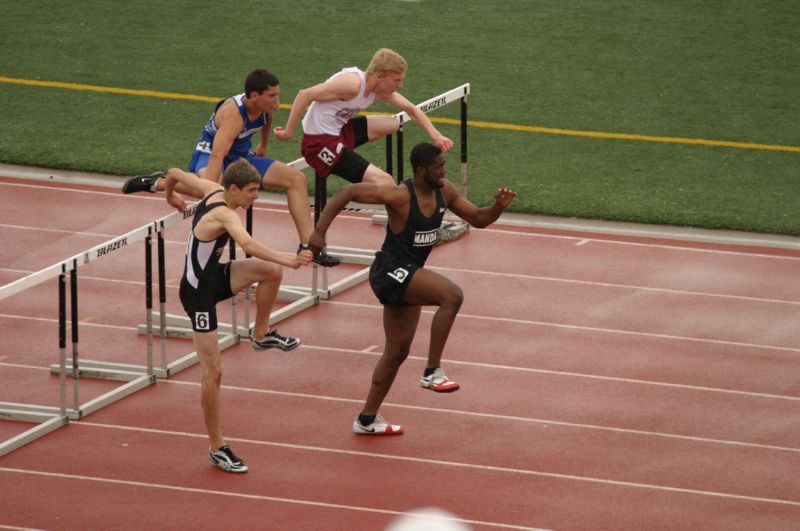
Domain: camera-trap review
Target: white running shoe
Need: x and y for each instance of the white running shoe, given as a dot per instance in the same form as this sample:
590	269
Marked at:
379	427
439	382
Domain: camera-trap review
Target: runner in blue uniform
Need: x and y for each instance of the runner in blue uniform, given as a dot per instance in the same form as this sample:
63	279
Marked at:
205	282
398	277
227	137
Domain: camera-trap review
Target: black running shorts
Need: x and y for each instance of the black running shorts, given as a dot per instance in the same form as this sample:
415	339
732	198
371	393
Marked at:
389	278
201	303
334	154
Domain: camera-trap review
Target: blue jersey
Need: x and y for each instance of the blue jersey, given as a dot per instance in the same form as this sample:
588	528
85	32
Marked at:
243	142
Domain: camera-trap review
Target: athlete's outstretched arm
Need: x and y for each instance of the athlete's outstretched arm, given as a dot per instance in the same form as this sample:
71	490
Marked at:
233	225
368	193
400	102
478	217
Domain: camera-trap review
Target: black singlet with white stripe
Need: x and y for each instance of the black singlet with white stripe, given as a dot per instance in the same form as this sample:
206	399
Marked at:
420	234
202	257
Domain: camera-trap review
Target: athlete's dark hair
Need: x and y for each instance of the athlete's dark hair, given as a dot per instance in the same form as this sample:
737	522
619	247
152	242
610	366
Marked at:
259	80
423	154
241	173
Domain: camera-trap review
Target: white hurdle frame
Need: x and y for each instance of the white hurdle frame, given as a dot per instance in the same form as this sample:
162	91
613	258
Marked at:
51	418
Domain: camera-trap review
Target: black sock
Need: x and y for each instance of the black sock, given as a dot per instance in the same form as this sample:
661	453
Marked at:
429	371
366	420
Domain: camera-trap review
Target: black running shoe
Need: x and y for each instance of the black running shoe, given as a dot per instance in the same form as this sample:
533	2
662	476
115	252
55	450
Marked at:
275	340
227	460
142	183
323	258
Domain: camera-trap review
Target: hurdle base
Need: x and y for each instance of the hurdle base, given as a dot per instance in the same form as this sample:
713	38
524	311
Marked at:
47	419
133	382
119	371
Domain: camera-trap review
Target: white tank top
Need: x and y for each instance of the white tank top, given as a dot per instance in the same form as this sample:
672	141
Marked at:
328	117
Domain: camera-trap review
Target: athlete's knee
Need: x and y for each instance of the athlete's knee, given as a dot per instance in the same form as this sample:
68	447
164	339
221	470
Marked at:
212	374
283	176
297	181
396	355
378	176
452	298
271	272
378	126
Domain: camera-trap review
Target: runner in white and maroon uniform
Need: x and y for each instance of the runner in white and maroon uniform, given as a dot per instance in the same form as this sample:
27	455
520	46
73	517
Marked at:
331	129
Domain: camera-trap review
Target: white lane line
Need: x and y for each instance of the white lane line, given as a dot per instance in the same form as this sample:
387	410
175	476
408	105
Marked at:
457	464
640	234
240	495
626	287
576	375
677	246
376	307
510	418
372	350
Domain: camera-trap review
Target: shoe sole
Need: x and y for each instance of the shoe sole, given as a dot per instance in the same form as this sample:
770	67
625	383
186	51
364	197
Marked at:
232	470
378	433
228	468
435	390
280	347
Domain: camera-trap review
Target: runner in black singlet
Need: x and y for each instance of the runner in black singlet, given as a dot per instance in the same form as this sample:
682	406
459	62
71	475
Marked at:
415	210
205	282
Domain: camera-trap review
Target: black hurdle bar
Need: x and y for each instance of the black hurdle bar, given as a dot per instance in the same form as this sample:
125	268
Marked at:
464	129
148	296
389	158
249	227
73	288
232	245
162	298
320	195
62	337
249	224
400	154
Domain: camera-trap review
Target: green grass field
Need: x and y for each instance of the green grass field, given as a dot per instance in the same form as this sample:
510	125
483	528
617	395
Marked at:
685	69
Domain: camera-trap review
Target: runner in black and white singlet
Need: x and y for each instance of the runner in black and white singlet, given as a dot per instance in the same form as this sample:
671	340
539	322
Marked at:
206	281
403	285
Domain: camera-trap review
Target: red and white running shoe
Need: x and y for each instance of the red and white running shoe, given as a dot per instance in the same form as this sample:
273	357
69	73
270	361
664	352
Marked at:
439	382
378	427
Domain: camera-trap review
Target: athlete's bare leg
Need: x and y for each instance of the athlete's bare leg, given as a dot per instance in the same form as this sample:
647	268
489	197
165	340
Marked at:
428	288
279	175
399	325
245	273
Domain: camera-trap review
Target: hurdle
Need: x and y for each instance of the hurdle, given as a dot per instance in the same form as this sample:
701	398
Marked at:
134	378
363	256
453	227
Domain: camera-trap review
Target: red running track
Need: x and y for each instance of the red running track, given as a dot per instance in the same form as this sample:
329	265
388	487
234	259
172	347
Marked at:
607	383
